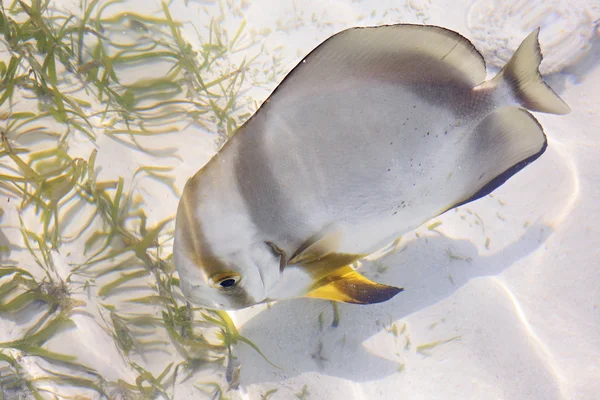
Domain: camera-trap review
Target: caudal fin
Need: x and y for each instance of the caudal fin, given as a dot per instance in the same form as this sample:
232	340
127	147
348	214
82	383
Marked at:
523	76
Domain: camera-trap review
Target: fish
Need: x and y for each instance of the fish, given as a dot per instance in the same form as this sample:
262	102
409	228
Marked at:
376	131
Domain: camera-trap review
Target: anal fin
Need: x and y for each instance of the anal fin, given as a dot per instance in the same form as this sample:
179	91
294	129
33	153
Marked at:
505	142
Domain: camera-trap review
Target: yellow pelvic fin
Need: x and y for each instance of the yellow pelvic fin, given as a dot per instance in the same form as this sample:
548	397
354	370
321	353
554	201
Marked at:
348	286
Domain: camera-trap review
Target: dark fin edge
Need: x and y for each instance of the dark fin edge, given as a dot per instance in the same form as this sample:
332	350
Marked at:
506	175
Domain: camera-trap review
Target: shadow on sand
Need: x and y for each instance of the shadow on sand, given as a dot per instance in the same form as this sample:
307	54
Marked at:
429	268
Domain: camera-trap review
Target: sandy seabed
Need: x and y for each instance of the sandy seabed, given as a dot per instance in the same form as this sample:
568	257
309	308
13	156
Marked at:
501	299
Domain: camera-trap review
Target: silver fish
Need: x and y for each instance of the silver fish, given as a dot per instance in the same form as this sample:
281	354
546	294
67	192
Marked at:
372	134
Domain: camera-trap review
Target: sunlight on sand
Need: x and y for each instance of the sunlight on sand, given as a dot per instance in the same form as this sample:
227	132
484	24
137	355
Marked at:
538	343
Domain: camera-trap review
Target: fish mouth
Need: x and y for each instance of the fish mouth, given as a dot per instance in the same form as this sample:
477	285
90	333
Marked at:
215	307
237	302
204	303
190	293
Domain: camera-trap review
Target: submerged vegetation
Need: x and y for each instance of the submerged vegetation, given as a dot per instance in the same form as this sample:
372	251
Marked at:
81	249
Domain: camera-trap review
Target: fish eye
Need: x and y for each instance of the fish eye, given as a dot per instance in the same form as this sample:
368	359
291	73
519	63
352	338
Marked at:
225	280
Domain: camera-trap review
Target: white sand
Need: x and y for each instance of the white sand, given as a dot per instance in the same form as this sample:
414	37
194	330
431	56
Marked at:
515	317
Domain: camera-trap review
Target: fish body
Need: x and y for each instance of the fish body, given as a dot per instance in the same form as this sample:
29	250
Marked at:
374	133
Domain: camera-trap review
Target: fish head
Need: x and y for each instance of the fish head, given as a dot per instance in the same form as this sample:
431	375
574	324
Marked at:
221	264
228	283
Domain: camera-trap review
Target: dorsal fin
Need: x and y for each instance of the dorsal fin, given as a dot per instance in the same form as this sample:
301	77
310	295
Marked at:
402	53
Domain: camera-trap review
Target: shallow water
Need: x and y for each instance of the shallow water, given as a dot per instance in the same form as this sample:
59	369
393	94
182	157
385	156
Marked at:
501	297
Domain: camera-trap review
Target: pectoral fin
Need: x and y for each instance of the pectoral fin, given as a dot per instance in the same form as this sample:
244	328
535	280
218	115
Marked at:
334	278
348	286
318	247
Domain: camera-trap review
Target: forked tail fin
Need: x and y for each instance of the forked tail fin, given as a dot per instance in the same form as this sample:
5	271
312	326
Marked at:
522	74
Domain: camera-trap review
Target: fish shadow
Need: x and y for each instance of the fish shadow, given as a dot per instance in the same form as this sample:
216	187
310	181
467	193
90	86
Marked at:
298	335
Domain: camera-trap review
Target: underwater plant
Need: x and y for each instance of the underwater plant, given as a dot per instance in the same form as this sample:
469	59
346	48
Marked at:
84	246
